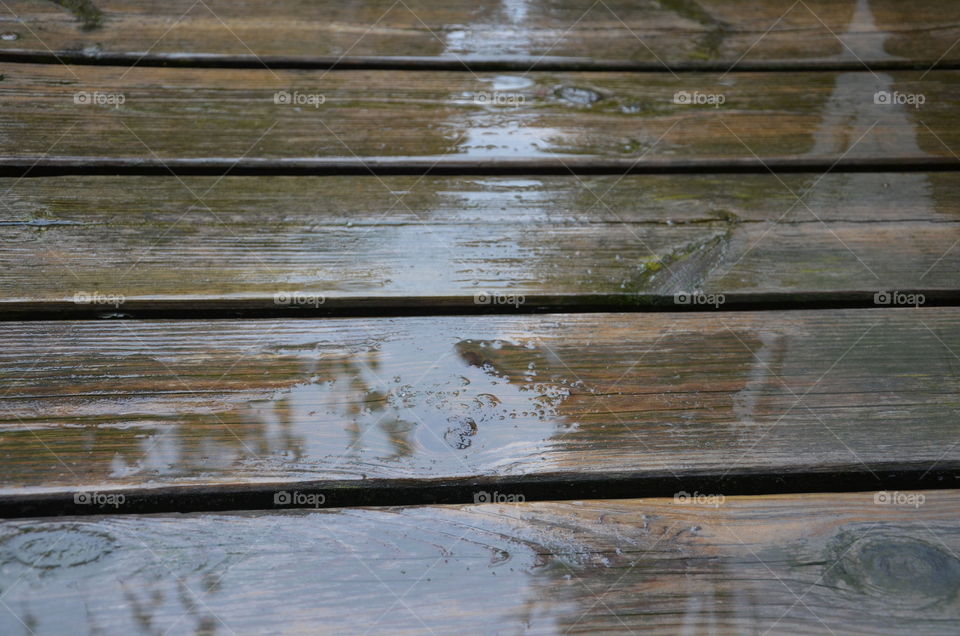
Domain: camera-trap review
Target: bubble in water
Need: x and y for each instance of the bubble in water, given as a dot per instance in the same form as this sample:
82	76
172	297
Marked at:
459	435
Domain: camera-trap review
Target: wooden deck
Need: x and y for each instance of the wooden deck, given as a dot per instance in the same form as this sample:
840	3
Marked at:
486	318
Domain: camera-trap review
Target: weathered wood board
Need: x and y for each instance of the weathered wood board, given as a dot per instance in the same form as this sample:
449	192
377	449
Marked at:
232	119
808	564
99	404
658	34
198	243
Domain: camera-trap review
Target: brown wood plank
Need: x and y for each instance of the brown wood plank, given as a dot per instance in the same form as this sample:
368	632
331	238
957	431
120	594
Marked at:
186	403
201	242
228	119
808	564
659	34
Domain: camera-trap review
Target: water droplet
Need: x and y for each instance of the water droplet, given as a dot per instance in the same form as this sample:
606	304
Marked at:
9	36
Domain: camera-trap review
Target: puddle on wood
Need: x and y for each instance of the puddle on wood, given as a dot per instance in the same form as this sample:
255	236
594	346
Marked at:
535	568
448	398
496	29
457	403
159	571
439	403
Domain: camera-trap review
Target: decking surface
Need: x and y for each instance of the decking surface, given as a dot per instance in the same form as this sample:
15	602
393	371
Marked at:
450	317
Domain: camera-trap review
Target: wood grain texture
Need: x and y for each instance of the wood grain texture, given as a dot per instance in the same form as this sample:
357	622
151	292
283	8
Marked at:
660	34
805	564
154	403
188	117
437	241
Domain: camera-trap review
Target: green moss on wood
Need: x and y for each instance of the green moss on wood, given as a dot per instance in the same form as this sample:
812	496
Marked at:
89	16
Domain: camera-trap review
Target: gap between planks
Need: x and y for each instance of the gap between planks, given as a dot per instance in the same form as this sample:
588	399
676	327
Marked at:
466	64
267	307
12	166
415	492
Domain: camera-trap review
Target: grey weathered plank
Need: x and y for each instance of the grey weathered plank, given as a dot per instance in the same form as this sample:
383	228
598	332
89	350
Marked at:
805	564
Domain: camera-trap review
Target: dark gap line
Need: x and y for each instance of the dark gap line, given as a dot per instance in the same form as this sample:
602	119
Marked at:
415	166
464	490
500	303
468	63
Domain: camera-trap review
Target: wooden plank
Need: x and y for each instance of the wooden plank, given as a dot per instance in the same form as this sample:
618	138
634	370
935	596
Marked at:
805	564
228	119
671	34
567	397
435	242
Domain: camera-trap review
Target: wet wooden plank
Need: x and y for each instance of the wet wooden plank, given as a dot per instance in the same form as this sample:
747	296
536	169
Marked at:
230	119
806	564
516	32
180	403
198	243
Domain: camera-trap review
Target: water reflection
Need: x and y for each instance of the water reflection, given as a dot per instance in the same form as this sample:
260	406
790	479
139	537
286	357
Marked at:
851	110
493	125
499	29
394	405
855	126
538	568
